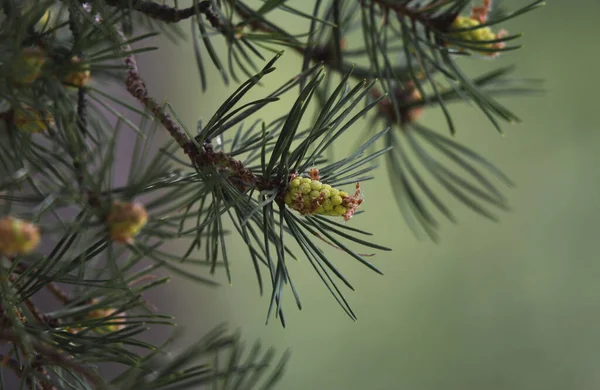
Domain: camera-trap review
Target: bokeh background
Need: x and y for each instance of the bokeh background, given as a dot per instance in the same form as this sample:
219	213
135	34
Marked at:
512	305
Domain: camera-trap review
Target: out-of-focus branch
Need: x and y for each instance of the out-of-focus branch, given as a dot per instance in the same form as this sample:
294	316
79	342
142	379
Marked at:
168	14
47	355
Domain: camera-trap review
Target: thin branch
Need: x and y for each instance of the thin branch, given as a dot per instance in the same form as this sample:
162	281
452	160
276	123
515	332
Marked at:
37	314
17	368
58	292
137	88
241	177
167	14
50	356
419	15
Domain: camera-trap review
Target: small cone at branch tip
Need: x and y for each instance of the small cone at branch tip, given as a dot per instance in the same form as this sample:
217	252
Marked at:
30	120
410	94
78	77
125	220
116	323
308	195
27	66
414	113
404	97
73	329
478	35
17	237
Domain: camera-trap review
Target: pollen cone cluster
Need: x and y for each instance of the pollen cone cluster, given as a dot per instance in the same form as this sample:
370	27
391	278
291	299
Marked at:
115	324
27	67
125	220
17	237
30	120
310	196
79	76
478	35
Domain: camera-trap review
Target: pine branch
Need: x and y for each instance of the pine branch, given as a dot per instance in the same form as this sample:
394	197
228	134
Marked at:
165	13
201	158
137	88
48	355
275	183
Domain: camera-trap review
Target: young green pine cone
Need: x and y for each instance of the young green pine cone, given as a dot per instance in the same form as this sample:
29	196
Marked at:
17	237
477	35
27	67
29	120
125	220
310	196
78	77
116	322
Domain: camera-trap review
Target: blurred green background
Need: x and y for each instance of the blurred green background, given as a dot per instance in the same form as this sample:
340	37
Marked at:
514	305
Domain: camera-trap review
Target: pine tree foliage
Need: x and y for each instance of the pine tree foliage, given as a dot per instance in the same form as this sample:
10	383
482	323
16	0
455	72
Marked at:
69	231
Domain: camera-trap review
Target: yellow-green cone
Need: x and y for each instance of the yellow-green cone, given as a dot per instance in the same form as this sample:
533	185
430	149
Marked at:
29	120
27	67
17	237
125	220
310	196
477	35
79	77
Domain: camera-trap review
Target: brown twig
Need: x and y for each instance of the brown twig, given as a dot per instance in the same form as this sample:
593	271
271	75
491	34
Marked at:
239	176
167	14
324	53
137	88
39	316
58	292
419	15
35	312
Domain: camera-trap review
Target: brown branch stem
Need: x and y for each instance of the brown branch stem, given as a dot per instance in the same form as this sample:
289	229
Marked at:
240	176
168	14
137	88
58	292
203	156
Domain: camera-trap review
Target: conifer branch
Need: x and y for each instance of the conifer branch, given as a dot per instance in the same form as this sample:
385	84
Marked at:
137	88
275	182
241	176
49	355
165	13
